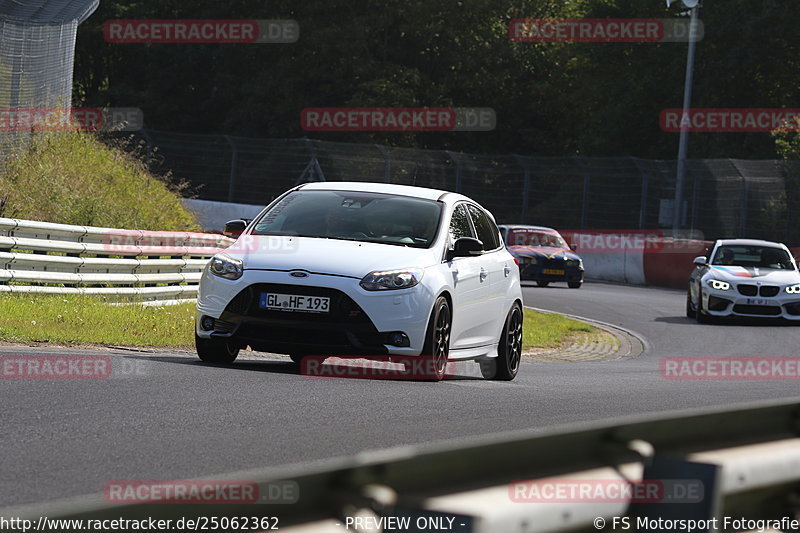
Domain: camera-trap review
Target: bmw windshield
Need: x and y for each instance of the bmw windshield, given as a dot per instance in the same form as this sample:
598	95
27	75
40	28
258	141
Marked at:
753	256
356	216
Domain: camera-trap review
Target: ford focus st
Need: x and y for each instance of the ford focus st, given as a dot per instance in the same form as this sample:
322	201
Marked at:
363	269
742	277
543	255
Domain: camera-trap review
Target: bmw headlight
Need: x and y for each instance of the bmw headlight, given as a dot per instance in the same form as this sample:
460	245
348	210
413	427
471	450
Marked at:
793	289
527	260
386	280
226	267
719	285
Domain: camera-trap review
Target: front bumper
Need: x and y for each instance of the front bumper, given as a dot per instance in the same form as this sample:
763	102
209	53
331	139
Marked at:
359	322
730	303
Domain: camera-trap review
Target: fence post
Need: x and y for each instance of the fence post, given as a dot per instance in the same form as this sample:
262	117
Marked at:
234	163
148	146
586	181
526	175
695	180
387	163
645	191
458	169
743	208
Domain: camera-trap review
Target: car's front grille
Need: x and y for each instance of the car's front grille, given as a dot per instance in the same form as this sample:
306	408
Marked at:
344	329
342	307
769	290
748	290
765	310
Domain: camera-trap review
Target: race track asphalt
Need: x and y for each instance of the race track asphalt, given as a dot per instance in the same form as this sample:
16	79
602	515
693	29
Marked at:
167	416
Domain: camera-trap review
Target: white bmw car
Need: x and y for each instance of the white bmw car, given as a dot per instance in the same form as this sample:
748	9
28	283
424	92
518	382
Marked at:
366	269
744	277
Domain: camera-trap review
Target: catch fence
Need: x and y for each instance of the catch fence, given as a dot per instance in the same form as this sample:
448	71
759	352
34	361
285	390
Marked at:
724	197
37	53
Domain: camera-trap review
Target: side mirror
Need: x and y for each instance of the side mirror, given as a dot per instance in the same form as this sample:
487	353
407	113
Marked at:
573	247
700	260
234	228
465	247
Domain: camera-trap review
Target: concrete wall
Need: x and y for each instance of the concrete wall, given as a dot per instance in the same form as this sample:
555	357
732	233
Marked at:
213	215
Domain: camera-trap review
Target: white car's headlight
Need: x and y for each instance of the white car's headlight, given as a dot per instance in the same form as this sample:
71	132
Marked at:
226	267
719	285
386	280
793	289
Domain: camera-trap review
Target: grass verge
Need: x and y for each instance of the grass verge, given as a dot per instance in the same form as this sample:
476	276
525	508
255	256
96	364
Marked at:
550	330
92	320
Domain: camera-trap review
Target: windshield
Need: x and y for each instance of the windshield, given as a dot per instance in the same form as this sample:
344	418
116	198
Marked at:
523	237
355	216
753	256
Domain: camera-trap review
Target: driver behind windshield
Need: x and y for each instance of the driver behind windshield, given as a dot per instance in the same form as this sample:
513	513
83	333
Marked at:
725	257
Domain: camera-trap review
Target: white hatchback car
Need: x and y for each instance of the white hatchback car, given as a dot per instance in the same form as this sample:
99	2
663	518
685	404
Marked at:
366	269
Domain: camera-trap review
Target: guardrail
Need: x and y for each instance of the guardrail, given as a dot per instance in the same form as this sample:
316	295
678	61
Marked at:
746	461
40	257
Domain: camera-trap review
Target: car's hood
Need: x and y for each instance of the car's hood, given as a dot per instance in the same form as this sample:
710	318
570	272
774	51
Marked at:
765	275
546	252
326	256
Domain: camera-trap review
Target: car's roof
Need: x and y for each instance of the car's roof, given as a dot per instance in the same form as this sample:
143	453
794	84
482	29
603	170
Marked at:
749	242
385	188
522	226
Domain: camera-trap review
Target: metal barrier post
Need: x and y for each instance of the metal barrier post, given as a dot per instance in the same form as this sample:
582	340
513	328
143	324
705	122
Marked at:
234	163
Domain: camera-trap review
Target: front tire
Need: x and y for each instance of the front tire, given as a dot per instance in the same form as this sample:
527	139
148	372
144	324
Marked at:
216	351
437	341
509	350
574	284
701	317
543	283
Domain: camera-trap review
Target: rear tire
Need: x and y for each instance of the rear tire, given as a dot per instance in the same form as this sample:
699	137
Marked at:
574	284
216	351
543	283
509	350
437	341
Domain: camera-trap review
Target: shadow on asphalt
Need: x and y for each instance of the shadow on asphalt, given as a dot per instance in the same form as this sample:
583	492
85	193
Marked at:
336	371
728	322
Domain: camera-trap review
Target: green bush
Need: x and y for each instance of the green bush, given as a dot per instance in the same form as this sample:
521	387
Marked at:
73	178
